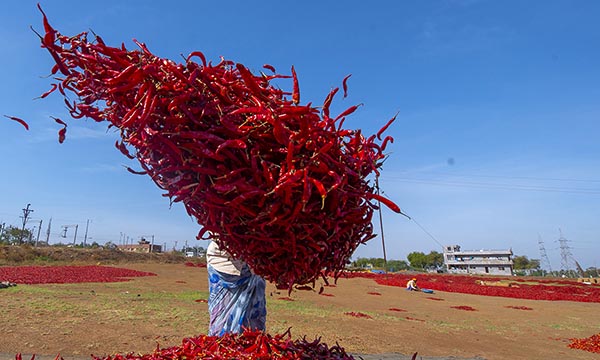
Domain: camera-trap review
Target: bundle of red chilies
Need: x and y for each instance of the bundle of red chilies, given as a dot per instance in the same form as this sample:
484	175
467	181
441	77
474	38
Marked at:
249	345
280	185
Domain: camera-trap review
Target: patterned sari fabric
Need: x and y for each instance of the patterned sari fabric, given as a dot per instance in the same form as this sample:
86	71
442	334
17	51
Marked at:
236	302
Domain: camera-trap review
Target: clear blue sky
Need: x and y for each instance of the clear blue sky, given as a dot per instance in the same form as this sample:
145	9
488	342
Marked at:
497	141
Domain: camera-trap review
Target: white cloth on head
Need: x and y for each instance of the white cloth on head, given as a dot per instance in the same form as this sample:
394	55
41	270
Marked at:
221	261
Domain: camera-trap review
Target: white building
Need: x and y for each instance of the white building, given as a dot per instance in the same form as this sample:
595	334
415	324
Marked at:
491	262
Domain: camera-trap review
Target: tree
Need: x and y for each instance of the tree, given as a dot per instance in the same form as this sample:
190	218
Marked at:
523	263
524	266
392	265
417	259
520	262
397	265
435	259
534	264
12	235
366	262
420	260
592	272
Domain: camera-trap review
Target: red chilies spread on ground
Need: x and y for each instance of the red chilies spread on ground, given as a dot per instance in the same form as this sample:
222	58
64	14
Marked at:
250	345
282	184
591	344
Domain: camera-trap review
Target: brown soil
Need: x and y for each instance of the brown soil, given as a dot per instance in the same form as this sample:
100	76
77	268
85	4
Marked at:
108	318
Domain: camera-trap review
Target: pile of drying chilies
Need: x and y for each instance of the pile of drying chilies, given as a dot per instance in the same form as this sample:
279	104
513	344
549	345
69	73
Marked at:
591	344
284	185
250	345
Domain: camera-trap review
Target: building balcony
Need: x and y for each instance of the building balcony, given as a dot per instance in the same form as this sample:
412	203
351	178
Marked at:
483	262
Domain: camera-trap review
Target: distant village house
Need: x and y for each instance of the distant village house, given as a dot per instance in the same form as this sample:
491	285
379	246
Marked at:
143	246
489	262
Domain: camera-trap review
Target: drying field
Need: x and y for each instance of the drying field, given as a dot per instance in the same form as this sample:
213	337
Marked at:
363	316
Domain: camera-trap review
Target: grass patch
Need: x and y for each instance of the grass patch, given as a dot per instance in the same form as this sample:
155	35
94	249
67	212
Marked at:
568	327
445	327
301	308
69	302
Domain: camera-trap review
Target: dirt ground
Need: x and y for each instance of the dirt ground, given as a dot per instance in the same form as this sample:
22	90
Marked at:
76	320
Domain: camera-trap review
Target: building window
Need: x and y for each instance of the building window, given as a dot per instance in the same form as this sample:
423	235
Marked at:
501	268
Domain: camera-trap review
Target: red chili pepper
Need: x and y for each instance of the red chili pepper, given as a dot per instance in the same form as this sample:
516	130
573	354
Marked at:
249	80
385	142
20	121
328	100
62	134
321	190
59	121
125	75
269	67
50	36
198	54
348	111
136	172
387	202
384	128
52	89
345	85
296	88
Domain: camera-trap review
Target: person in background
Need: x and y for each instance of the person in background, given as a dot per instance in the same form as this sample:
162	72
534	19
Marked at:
412	285
236	295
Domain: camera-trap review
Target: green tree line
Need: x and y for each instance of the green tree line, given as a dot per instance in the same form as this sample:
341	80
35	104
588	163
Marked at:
416	260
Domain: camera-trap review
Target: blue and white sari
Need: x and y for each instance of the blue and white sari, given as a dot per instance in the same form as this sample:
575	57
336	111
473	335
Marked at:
236	302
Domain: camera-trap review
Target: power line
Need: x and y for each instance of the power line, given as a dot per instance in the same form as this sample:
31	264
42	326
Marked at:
470	184
426	232
516	177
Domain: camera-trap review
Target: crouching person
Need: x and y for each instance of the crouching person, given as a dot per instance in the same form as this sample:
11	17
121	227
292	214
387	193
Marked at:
411	285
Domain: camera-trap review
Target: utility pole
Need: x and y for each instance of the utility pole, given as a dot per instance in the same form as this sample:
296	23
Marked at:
37	240
48	232
152	244
75	237
87	224
26	213
381	225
